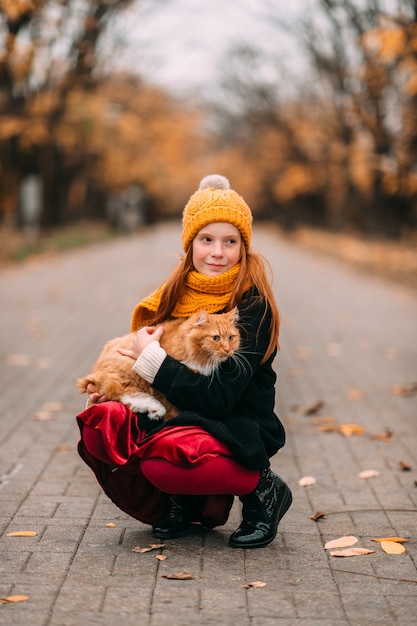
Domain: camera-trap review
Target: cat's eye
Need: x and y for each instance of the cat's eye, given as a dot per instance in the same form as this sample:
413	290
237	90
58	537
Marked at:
232	337
216	337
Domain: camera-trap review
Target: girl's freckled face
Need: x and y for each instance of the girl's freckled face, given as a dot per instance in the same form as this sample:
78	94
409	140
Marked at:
216	248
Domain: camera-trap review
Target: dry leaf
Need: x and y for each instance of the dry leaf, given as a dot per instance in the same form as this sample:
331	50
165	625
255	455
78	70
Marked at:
152	546
22	533
43	416
387	435
179	576
63	448
161	557
53	406
13	599
404	390
341	542
368	474
18	359
111	525
394	539
392	547
352	552
318	515
355	394
43	362
306	481
257	585
349	429
303	353
405	466
313	408
333	349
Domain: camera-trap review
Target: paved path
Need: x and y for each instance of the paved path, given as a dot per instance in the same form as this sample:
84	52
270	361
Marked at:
347	339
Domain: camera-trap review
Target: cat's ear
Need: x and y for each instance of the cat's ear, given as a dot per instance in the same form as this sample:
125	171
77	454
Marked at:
201	318
233	315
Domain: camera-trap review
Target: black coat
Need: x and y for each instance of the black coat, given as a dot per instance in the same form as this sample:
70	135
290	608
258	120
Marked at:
237	405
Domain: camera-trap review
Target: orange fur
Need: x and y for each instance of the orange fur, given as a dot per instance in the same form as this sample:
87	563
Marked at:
202	342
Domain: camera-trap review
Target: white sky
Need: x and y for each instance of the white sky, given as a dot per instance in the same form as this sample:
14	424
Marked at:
180	43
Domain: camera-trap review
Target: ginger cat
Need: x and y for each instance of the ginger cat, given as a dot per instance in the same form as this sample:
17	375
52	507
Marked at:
202	342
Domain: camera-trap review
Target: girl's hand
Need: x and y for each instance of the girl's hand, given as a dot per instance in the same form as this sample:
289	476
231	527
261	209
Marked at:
141	340
93	396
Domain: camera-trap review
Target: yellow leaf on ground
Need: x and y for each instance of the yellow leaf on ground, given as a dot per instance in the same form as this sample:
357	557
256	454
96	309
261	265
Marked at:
351	429
161	557
258	584
22	533
13	599
18	359
368	474
306	481
352	552
392	547
179	576
404	390
53	406
312	408
111	525
152	546
341	542
355	394
394	539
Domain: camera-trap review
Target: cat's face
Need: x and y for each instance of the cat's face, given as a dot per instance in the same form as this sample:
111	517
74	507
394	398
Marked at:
213	338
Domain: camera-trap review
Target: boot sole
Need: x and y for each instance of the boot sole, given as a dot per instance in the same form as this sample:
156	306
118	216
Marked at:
285	505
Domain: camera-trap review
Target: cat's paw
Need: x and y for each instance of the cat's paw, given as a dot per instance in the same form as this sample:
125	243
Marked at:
145	404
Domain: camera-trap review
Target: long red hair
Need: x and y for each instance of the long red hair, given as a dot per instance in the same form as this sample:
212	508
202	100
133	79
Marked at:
253	267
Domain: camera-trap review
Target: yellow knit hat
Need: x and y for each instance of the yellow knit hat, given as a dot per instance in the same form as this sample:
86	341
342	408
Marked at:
214	201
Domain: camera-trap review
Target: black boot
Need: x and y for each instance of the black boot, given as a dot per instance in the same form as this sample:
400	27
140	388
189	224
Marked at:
261	512
176	518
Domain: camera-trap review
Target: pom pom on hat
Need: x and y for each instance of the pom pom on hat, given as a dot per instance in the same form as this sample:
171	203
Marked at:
214	201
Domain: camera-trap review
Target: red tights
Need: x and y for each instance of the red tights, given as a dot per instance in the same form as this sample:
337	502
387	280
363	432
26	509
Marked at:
217	475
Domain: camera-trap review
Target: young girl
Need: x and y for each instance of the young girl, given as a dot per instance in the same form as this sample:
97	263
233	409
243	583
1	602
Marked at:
189	469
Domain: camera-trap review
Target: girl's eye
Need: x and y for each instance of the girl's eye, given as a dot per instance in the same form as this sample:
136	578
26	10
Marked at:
216	338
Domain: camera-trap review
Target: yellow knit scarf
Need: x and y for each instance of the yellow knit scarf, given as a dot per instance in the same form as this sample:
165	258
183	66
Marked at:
211	293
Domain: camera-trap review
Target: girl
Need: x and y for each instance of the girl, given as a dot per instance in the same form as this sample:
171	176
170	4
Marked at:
189	469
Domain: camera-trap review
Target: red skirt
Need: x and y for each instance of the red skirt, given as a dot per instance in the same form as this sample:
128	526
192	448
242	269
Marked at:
125	445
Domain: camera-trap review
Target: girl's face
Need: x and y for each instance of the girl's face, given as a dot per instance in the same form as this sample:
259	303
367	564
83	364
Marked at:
216	248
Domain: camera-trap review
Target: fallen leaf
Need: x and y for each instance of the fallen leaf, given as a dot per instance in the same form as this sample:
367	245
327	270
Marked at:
53	406
368	474
313	408
306	481
333	349
318	515
303	353
404	390
161	557
63	448
355	394
257	585
13	599
387	435
349	429
18	359
341	542
392	547
352	552
394	539
22	533
405	466
43	362
43	416
111	525
152	546
179	576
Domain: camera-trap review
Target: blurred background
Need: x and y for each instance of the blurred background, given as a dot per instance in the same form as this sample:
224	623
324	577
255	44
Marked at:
112	110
